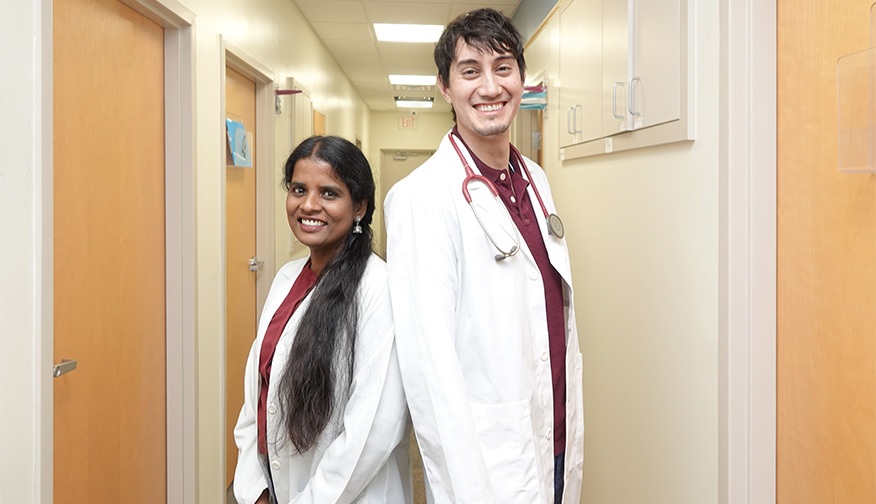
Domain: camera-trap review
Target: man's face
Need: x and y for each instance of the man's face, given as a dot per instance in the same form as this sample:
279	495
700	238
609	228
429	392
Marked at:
485	89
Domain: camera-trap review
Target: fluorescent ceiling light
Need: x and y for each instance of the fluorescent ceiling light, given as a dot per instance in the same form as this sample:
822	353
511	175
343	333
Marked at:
412	80
413	102
407	32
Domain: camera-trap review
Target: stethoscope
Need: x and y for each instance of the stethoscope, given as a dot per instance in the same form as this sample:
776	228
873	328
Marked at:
554	224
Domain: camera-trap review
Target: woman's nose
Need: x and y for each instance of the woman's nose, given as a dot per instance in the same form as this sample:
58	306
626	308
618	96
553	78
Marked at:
310	201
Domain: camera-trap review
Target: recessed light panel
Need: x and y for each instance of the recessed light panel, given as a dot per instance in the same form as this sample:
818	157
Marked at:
407	32
412	80
404	102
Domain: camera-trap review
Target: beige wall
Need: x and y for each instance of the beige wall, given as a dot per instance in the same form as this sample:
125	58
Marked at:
643	233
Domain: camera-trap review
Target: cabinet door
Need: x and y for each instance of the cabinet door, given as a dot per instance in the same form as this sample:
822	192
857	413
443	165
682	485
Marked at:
581	72
615	66
654	85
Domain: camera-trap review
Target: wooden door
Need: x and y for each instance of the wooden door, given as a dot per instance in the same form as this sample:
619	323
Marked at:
826	286
240	246
109	254
318	123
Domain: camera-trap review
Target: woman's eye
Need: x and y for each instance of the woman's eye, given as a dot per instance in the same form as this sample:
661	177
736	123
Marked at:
329	194
298	190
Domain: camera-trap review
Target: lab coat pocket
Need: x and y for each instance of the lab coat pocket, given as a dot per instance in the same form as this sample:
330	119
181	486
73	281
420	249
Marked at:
505	432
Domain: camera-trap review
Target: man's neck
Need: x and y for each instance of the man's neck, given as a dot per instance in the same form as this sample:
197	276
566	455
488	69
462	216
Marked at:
494	151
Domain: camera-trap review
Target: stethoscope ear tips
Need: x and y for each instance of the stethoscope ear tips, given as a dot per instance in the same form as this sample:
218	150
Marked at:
505	255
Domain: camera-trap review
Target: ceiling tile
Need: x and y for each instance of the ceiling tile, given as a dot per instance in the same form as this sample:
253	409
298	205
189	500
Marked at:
395	54
337	11
344	31
351	51
368	72
457	9
447	2
412	13
412	69
371	88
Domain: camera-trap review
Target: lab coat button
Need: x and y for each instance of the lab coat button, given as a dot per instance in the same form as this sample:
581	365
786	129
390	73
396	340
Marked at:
544	356
548	434
275	465
272	409
533	274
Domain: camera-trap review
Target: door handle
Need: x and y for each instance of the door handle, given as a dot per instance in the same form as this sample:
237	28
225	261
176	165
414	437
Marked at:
255	264
64	367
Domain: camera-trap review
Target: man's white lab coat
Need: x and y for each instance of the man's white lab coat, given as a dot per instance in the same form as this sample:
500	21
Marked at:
472	339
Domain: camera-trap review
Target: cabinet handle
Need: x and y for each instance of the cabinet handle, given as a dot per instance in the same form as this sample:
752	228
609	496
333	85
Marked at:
633	82
569	129
614	100
578	107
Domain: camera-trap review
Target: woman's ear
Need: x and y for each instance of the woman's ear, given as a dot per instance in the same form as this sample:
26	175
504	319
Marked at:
360	207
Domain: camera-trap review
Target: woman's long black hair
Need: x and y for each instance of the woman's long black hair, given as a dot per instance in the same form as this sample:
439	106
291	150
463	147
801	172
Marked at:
320	365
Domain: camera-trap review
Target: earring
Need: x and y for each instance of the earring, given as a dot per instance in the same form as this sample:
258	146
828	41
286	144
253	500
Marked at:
357	229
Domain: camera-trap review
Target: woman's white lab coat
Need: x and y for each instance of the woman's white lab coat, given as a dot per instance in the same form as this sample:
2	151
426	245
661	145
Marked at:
473	342
362	456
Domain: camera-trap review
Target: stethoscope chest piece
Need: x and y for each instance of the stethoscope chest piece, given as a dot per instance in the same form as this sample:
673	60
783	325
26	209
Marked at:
555	225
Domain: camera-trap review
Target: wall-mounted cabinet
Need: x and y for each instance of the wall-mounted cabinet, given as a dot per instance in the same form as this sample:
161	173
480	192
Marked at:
623	75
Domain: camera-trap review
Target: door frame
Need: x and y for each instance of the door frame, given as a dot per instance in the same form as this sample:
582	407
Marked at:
240	61
180	227
747	352
234	57
293	127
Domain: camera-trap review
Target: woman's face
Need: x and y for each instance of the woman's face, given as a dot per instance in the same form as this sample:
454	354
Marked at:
320	209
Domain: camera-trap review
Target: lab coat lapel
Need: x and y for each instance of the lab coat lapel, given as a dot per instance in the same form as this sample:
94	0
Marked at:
557	252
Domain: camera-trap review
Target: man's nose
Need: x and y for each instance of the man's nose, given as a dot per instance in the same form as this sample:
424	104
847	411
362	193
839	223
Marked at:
489	84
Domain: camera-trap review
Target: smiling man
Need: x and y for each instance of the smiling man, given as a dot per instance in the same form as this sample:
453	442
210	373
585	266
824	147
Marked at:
482	294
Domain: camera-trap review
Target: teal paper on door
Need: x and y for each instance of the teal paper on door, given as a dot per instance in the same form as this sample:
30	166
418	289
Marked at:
238	144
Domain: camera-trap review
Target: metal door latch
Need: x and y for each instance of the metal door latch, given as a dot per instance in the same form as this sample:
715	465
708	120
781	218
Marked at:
64	367
255	264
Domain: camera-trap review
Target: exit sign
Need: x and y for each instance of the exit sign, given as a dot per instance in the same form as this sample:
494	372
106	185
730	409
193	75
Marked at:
407	122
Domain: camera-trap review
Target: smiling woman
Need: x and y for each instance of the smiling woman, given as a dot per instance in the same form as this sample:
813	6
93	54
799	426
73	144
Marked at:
320	209
324	417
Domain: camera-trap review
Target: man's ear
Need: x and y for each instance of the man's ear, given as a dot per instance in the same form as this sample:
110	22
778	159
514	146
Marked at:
445	90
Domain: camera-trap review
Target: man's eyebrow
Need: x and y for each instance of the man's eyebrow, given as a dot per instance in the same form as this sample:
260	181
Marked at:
471	61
